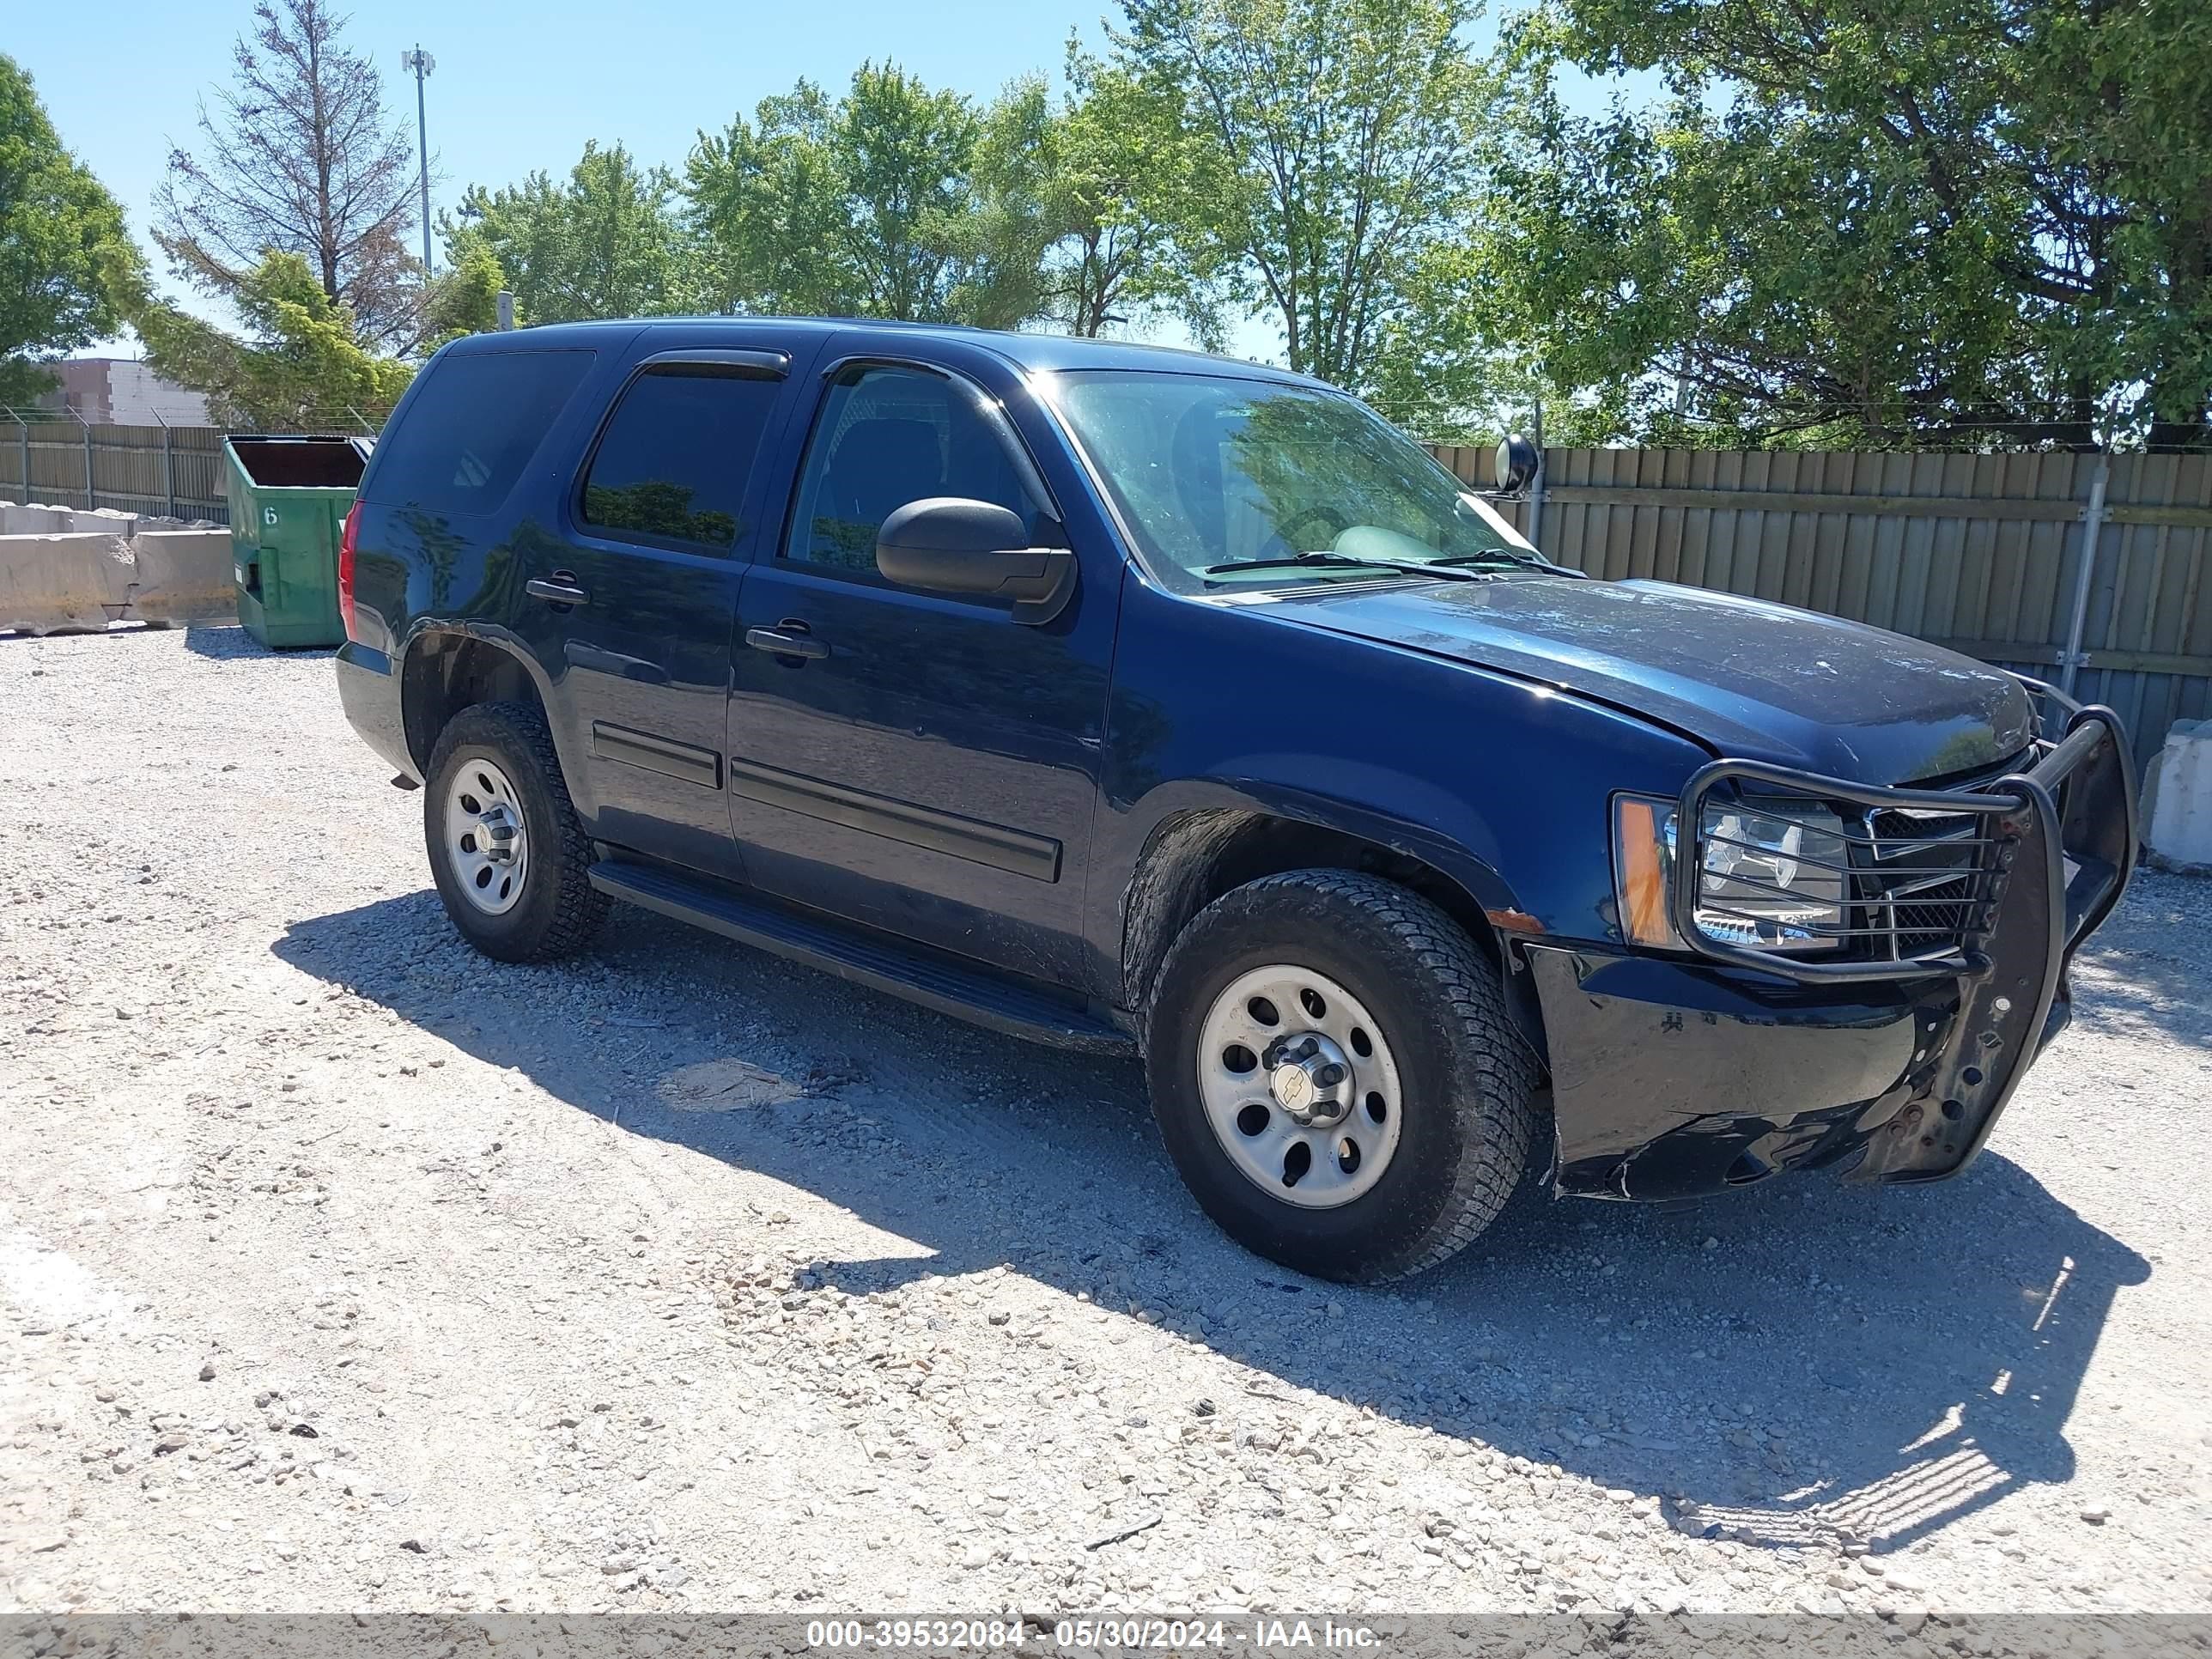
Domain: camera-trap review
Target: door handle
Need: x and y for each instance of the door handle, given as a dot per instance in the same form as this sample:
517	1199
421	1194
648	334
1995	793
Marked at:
787	640
559	588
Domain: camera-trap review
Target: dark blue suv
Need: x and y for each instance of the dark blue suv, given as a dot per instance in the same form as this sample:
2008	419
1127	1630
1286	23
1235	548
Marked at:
1136	701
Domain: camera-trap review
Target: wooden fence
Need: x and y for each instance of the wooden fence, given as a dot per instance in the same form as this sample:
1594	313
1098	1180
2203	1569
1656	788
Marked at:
1982	553
1985	553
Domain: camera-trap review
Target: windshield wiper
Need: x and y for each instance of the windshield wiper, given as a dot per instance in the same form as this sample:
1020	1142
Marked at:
1404	567
1497	556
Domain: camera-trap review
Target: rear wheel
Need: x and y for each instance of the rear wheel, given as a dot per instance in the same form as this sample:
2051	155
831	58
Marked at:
1335	1076
510	857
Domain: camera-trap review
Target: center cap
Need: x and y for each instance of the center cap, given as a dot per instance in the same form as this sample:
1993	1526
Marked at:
1294	1090
499	827
1310	1079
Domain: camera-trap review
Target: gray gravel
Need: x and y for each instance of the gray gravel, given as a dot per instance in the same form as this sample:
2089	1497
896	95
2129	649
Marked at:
343	1269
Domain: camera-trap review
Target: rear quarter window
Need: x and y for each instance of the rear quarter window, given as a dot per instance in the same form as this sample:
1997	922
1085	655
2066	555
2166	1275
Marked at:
472	427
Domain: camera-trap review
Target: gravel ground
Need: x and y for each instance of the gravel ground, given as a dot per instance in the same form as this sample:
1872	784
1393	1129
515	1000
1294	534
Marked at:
343	1269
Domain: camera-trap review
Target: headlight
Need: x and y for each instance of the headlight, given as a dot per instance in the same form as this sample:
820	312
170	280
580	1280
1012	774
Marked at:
1772	876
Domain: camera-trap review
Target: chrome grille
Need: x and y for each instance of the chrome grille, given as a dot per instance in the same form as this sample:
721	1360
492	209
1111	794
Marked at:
1926	883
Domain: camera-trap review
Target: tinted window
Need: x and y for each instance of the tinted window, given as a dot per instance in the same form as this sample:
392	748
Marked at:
673	464
472	429
887	436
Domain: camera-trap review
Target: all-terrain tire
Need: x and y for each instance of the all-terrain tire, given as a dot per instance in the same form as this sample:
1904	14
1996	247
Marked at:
559	909
1468	1077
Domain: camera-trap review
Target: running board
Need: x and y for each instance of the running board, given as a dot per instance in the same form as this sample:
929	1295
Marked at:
964	993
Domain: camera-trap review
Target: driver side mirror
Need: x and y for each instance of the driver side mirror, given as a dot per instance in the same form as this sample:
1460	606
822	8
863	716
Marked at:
951	544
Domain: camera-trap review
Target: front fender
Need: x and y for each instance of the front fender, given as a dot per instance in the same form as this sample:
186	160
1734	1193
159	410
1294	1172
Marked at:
1195	824
1502	785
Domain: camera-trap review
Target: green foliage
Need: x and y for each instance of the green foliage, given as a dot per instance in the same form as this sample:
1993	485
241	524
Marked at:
1336	148
1845	222
66	261
1119	184
300	363
1874	223
466	300
605	242
871	206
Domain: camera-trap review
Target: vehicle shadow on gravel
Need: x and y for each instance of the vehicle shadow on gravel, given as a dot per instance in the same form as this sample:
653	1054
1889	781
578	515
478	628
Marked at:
1798	1362
230	641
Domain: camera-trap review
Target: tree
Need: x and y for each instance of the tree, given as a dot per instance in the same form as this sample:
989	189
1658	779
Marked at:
464	299
1876	222
65	257
297	156
1114	175
869	206
300	364
607	242
1338	144
1637	255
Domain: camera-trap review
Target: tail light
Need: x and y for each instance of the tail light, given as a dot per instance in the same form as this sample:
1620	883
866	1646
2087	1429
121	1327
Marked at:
347	541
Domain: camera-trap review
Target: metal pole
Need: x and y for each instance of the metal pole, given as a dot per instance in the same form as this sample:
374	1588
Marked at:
24	427
2093	525
422	144
1536	483
421	62
168	467
91	493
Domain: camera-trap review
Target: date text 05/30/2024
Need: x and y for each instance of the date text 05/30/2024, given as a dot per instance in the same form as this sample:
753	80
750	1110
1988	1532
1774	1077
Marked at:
1121	1632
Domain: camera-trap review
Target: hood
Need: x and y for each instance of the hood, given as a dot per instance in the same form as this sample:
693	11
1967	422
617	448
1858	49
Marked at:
1754	681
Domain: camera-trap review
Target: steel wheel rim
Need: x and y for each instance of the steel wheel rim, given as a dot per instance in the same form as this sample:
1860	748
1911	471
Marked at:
1254	1110
487	838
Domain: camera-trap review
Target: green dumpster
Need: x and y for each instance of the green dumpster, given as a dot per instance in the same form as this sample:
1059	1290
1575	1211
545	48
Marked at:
289	500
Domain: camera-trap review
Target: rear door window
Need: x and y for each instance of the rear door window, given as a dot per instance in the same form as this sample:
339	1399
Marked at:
471	429
673	463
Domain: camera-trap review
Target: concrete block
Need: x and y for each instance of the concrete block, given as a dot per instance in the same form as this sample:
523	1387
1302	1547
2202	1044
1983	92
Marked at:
63	584
35	521
106	520
183	575
2177	800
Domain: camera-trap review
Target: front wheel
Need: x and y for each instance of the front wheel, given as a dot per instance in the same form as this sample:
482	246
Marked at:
511	860
1335	1076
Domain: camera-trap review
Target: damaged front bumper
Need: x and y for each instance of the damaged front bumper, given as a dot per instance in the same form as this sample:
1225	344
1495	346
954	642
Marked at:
1678	1075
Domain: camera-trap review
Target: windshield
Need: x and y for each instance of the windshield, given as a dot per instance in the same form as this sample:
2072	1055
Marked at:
1226	482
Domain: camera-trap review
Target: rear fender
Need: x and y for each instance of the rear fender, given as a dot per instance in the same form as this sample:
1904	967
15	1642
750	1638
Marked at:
426	691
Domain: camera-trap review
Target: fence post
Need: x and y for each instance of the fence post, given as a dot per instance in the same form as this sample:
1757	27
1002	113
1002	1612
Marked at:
1536	483
2093	525
168	467
91	488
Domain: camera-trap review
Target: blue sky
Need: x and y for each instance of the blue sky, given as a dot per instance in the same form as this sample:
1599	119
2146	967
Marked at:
521	84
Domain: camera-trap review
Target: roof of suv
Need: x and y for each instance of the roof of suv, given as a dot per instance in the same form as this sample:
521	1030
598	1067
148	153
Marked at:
1032	351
